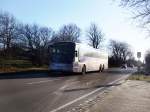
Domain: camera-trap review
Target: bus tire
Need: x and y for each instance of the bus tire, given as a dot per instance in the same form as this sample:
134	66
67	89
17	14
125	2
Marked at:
100	68
83	70
103	68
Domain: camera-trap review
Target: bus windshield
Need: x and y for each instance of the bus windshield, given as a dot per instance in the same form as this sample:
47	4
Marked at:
62	53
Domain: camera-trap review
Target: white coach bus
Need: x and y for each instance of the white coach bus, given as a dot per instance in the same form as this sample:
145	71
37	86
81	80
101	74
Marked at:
76	57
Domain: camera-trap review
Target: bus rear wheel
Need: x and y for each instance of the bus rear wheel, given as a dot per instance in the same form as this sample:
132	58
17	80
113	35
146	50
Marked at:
100	68
84	70
103	68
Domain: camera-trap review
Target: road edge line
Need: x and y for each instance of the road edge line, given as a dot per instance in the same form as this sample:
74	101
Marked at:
86	95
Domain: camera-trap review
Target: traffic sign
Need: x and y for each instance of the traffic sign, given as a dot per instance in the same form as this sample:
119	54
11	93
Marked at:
138	54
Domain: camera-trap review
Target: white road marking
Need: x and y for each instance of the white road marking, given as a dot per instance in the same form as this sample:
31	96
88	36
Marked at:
86	95
73	82
44	81
66	85
63	87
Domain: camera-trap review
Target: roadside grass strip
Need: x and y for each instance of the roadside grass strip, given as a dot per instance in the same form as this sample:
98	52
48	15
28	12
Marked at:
140	77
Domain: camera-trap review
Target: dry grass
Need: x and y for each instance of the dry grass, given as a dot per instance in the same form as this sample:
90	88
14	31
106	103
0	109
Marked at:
7	66
14	69
139	76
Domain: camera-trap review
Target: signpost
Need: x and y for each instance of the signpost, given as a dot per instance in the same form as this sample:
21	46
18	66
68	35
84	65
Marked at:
139	56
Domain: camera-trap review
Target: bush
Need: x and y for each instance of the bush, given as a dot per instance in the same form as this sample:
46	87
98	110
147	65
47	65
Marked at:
15	63
147	62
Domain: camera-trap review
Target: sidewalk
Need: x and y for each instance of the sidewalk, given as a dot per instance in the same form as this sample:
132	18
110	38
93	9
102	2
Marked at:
131	96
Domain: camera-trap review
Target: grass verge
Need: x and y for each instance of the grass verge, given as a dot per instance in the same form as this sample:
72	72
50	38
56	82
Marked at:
7	66
140	77
14	69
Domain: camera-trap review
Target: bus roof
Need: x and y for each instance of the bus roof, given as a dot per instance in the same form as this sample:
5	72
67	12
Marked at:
78	45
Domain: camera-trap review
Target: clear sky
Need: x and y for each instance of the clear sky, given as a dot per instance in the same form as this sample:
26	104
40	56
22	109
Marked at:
115	21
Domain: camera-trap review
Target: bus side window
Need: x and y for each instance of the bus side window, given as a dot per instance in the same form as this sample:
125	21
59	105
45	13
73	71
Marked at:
54	50
76	54
58	51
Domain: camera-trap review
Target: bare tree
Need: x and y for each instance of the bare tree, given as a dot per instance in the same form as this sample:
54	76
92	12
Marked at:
95	36
8	32
120	52
70	32
35	40
141	9
34	36
46	35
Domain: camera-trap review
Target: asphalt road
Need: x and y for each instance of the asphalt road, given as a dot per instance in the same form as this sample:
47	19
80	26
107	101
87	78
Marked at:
47	92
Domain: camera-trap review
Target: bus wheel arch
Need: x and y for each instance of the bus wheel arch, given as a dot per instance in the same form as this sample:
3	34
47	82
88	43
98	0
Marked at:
103	67
100	68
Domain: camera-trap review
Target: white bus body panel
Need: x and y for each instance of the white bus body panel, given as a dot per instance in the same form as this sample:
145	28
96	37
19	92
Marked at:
92	63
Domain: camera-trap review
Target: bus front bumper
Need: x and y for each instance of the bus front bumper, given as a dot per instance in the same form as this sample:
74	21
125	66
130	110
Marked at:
63	67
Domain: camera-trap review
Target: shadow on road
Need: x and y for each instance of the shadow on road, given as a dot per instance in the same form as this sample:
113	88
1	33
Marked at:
99	86
46	73
38	74
34	74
